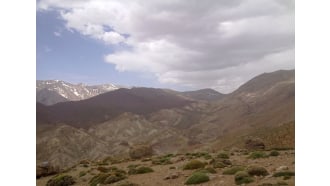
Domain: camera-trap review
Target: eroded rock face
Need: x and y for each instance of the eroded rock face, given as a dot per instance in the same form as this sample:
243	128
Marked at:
46	169
254	144
140	151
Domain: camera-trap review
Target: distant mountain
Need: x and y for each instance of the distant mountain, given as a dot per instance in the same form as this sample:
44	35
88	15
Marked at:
49	97
50	92
106	106
204	94
264	107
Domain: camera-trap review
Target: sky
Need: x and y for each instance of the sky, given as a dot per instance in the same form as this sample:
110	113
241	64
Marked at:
183	45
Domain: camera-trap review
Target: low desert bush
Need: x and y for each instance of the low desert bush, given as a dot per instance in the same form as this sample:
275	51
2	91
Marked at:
257	171
61	180
258	154
274	153
232	170
107	178
207	170
197	177
194	164
140	170
242	177
82	173
283	173
163	160
223	155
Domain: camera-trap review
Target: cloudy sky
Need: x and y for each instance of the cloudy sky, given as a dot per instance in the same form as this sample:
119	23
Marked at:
177	44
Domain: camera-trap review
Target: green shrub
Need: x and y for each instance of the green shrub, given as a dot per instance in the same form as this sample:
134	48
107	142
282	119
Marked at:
194	164
283	173
82	173
223	155
207	156
233	170
257	171
274	153
107	178
162	161
258	154
242	177
133	166
197	178
220	163
140	170
168	156
207	170
61	180
210	170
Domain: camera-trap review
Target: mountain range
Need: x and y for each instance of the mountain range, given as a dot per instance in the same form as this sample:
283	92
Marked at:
111	122
50	92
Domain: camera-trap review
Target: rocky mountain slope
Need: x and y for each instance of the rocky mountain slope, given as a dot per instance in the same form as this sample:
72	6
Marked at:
50	92
107	106
118	120
204	94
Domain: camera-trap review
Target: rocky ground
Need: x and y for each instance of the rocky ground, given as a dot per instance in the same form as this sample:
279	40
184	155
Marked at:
265	168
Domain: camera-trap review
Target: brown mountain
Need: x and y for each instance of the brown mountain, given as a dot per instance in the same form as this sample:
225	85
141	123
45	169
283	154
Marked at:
204	94
115	121
106	106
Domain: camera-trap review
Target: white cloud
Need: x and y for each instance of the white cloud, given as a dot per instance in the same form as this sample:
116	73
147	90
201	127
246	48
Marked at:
218	44
57	34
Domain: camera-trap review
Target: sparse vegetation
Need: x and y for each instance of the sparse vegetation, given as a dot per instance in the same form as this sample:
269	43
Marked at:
162	160
220	163
233	170
207	156
107	178
82	173
103	169
194	164
196	178
285	174
280	183
223	155
207	170
258	154
140	170
257	171
61	180
274	153
242	177
126	183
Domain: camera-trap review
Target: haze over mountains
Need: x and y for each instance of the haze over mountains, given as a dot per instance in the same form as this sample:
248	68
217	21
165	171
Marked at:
111	122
